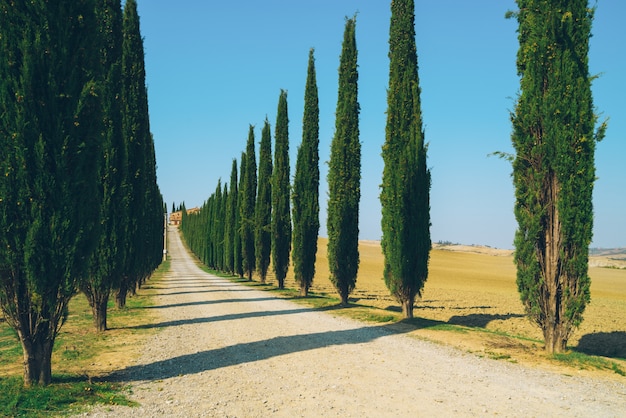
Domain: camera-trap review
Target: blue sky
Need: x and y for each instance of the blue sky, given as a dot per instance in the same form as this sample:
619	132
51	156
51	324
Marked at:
215	67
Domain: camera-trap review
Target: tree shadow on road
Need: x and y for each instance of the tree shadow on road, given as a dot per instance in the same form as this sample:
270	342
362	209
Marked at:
229	317
207	302
248	353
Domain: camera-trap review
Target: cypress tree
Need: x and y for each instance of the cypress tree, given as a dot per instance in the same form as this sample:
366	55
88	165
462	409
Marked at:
263	236
248	203
406	180
50	127
105	268
216	227
140	189
305	196
222	236
344	174
231	218
206	247
553	169
237	255
281	212
153	212
133	130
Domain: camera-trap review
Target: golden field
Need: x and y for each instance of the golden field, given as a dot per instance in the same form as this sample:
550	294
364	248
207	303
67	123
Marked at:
475	287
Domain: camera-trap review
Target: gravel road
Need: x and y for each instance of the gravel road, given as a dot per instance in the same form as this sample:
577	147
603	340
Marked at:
226	350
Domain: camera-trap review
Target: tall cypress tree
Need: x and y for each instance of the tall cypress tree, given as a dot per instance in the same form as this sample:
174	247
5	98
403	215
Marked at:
144	226
237	255
50	127
152	217
406	180
553	170
281	212
216	223
344	174
248	202
136	131
305	195
106	263
231	218
263	236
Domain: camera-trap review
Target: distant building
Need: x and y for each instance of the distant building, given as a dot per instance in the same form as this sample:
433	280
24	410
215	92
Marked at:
177	217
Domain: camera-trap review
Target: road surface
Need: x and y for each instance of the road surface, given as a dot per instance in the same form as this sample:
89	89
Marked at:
227	350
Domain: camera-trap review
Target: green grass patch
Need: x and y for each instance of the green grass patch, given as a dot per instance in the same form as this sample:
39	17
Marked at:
585	362
64	395
367	314
497	356
76	348
10	347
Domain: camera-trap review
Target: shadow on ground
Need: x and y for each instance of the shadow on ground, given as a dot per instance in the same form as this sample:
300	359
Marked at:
480	320
248	352
229	317
606	344
206	302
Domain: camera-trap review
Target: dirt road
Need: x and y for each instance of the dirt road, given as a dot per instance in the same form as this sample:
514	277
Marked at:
226	350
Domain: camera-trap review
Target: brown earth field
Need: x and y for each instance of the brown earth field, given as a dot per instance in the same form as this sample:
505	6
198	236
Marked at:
470	301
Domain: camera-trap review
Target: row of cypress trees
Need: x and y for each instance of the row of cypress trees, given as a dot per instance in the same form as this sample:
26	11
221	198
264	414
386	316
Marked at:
554	138
405	189
245	223
79	203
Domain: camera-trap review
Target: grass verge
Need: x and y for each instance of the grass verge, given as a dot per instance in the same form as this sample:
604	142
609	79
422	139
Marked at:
81	360
583	361
66	394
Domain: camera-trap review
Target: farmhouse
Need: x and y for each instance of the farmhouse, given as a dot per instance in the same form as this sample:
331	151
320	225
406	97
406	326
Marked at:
177	217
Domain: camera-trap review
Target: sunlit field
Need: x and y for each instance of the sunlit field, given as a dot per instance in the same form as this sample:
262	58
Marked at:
476	287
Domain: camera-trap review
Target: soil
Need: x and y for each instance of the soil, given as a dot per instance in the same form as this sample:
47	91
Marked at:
227	350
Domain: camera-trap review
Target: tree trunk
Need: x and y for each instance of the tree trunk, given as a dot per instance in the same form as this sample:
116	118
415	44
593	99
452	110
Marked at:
120	295
344	299
555	338
555	324
99	309
37	359
304	290
407	307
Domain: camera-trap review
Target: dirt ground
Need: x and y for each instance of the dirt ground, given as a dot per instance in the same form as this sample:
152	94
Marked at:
227	350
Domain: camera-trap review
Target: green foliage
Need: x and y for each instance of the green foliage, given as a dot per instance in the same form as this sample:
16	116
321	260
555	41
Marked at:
305	194
405	190
247	207
344	173
231	221
143	201
106	262
553	171
237	255
50	124
263	211
281	211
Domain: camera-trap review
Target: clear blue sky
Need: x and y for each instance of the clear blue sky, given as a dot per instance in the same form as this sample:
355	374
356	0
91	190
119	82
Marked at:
214	67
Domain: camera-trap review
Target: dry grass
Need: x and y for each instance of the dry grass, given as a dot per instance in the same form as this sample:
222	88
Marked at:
471	301
79	350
